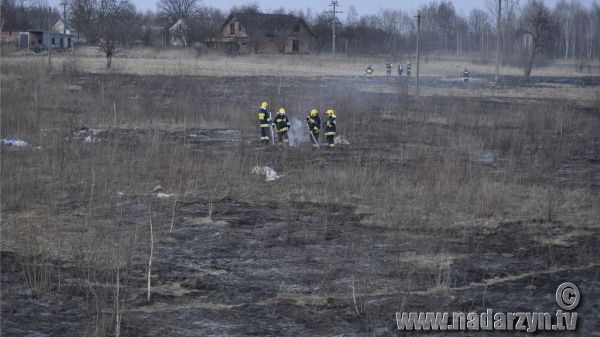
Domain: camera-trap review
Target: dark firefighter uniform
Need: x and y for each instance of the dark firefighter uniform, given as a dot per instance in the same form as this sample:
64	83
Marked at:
388	68
408	69
465	75
264	119
369	72
314	125
282	123
330	129
400	70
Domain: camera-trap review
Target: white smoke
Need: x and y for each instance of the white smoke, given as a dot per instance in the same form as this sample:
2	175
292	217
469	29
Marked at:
298	133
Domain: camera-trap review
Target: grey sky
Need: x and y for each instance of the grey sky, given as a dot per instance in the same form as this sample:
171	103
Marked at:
316	6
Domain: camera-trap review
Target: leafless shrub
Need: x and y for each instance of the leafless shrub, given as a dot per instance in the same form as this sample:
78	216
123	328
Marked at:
35	263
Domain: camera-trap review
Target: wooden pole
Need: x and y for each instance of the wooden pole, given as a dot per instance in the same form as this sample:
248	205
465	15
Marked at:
333	4
498	18
418	49
49	38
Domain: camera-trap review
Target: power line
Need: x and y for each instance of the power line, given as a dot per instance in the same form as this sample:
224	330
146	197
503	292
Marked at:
333	4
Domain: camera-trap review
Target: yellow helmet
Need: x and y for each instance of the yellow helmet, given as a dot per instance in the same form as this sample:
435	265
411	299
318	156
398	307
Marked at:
330	112
314	112
264	105
282	111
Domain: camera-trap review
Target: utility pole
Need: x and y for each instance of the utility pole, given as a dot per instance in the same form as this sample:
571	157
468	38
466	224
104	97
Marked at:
498	18
49	38
333	4
418	49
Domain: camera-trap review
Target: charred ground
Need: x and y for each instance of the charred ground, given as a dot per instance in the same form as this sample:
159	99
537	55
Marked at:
465	199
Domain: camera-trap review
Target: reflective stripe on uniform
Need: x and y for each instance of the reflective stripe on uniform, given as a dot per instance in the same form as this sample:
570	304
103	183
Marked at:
330	133
264	125
283	129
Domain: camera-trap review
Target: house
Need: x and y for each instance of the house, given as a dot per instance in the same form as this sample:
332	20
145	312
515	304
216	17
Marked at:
178	34
9	37
264	33
38	40
60	27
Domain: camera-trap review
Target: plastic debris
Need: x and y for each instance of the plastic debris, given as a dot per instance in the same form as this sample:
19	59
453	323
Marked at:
270	174
164	195
341	140
157	189
10	141
488	158
88	135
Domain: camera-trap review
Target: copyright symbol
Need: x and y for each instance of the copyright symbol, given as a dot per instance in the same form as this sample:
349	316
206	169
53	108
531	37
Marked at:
567	296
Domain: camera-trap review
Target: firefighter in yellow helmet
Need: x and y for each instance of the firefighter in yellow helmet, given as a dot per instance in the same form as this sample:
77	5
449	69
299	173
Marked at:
282	124
264	119
314	126
330	129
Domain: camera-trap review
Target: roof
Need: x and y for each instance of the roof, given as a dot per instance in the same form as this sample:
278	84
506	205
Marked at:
180	24
267	24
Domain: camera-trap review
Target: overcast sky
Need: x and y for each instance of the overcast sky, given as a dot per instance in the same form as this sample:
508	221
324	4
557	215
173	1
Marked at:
362	6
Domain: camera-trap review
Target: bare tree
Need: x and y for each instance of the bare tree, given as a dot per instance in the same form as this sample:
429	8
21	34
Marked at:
446	19
479	23
112	18
83	14
177	9
540	27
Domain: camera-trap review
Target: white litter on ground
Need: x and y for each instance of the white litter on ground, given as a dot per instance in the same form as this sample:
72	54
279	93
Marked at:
88	135
270	174
341	140
14	142
164	195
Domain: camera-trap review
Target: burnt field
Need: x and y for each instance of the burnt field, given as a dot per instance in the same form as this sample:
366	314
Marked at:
462	200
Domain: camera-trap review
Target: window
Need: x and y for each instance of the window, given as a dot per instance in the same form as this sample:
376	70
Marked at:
232	28
53	41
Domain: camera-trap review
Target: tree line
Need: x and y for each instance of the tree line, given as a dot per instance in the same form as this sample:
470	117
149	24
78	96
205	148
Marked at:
529	28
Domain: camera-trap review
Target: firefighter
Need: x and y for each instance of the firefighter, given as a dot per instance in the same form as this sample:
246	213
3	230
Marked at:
388	68
282	124
264	119
330	128
465	76
369	72
408	69
400	70
314	126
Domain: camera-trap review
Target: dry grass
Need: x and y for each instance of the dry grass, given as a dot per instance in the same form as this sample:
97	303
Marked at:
413	166
187	63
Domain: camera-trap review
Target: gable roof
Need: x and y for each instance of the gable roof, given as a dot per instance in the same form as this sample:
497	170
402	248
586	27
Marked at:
259	24
180	24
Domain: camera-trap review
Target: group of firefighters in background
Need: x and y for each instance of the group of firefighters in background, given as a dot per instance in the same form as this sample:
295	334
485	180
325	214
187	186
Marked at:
388	69
281	124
